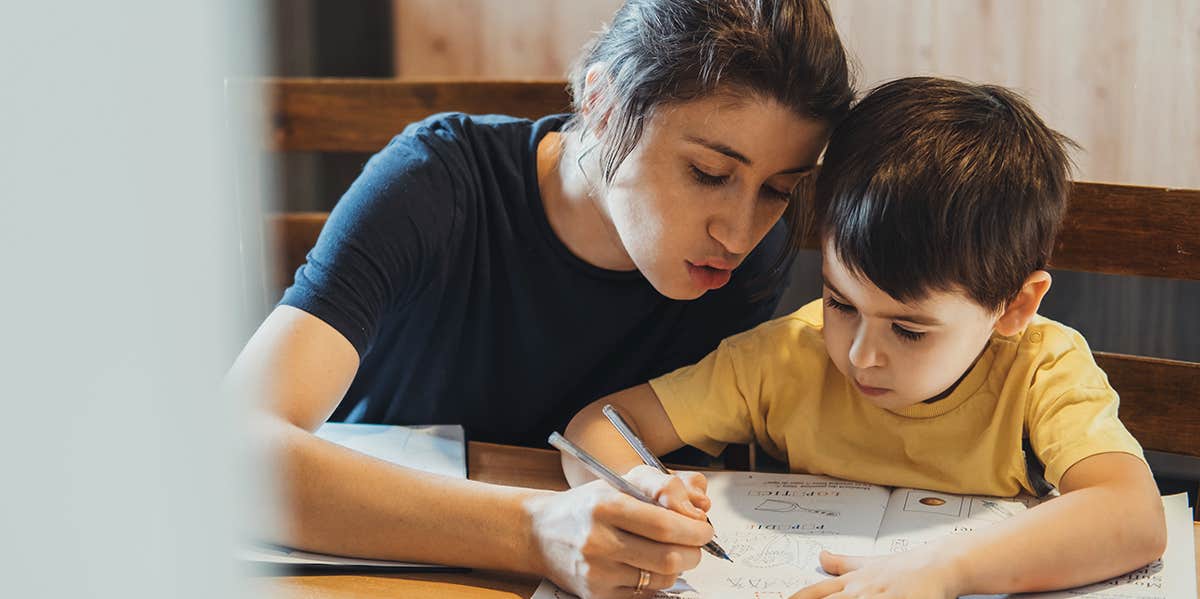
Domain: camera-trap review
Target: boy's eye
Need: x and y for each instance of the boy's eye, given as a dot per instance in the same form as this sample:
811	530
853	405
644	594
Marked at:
775	194
707	179
906	334
839	306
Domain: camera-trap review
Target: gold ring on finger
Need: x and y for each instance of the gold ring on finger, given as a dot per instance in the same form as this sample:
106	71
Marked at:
643	581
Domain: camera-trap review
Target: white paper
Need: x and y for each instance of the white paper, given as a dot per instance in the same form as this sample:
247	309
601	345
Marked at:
440	449
775	525
915	517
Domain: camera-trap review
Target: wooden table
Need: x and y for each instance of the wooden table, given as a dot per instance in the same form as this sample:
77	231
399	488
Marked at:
486	462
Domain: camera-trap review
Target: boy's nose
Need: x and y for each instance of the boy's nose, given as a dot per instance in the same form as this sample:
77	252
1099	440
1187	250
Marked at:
863	351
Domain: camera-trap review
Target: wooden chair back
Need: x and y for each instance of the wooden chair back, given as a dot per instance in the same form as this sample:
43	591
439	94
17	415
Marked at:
1111	229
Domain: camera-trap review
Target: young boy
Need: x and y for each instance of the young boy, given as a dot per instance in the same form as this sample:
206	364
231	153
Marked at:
925	363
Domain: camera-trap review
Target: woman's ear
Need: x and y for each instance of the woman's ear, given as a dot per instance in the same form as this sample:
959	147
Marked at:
597	101
1024	307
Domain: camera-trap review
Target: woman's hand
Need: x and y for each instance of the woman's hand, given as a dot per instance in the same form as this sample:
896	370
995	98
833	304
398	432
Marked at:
594	540
917	574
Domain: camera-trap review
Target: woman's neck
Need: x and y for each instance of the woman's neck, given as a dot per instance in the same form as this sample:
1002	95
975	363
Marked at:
568	179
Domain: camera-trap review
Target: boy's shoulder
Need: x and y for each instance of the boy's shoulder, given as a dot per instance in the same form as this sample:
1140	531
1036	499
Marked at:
1053	356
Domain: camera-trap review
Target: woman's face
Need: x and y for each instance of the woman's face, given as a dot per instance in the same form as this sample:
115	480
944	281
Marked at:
705	183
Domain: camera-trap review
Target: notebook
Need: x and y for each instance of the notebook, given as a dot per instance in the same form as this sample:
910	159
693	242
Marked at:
774	526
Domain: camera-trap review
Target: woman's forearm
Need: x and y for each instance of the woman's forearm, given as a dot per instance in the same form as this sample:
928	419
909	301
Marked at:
342	502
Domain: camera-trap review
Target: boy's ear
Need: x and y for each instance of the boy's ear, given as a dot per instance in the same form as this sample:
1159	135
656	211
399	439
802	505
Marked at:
1025	306
596	104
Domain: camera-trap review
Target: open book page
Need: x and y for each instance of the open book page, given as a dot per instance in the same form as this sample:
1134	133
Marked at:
774	526
915	517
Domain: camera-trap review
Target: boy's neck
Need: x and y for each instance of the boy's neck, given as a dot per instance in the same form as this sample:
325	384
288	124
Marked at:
950	390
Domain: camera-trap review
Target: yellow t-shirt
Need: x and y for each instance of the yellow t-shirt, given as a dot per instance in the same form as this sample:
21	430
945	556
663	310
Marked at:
776	385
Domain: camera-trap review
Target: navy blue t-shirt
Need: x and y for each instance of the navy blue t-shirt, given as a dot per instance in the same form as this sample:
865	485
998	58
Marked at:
440	267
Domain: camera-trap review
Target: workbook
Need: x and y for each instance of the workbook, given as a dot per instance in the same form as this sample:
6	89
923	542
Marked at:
774	526
440	449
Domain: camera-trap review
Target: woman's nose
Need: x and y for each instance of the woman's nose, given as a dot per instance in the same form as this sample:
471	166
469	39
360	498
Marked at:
736	227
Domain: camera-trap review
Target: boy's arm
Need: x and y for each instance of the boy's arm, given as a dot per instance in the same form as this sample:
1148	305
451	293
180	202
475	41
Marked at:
641	408
591	430
1108	521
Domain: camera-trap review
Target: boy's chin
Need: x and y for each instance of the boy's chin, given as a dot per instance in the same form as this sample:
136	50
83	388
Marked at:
892	401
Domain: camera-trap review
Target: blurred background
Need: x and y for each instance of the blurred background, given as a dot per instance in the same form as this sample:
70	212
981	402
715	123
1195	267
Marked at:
1120	77
125	468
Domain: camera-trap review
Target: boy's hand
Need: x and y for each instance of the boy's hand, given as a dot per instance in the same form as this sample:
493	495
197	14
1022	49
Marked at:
917	574
683	492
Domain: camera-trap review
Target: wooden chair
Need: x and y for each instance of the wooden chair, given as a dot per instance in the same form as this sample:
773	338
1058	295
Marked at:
1111	229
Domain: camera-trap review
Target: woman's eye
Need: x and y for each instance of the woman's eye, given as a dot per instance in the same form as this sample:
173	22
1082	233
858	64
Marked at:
706	179
839	306
906	334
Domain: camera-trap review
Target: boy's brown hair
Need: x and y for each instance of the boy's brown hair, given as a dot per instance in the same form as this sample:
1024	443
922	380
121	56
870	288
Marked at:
932	184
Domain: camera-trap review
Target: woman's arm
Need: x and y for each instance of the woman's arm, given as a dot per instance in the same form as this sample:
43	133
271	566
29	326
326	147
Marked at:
1108	521
591	540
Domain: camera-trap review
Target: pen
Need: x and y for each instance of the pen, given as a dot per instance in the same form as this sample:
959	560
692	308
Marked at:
595	467
650	459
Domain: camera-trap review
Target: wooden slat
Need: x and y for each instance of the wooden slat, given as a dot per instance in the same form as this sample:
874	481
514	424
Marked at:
1160	400
361	115
1112	229
1127	230
293	234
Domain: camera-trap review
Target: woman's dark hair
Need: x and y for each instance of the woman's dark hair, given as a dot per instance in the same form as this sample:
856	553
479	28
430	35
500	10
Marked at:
939	185
659	52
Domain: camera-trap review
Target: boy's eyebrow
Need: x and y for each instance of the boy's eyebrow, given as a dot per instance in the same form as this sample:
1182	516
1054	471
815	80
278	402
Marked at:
717	146
913	318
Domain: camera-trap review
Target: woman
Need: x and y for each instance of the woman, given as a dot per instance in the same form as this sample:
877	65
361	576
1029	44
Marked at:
502	273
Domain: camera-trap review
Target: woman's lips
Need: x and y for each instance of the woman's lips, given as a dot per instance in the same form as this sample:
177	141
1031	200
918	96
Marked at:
707	276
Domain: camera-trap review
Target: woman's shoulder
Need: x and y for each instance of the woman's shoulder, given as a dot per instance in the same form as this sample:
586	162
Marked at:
485	131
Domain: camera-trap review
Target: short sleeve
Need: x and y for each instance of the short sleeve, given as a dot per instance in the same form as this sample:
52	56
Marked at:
706	403
1074	423
382	239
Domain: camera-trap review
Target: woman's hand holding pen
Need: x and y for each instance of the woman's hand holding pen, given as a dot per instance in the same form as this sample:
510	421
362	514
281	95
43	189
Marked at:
594	540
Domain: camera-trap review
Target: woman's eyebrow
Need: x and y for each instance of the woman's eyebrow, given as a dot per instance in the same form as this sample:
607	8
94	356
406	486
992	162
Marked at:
720	147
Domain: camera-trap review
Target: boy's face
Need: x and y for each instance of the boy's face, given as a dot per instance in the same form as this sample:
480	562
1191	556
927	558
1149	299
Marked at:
898	354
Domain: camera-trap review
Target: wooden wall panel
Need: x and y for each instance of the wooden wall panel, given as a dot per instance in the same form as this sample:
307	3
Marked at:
493	38
1121	77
